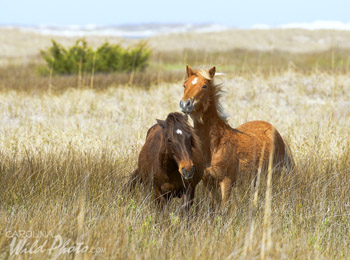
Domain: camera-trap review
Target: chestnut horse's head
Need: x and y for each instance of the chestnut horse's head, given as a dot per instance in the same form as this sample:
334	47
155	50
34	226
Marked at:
180	142
198	91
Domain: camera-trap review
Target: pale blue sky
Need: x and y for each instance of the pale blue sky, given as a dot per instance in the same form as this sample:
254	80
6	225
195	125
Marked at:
243	13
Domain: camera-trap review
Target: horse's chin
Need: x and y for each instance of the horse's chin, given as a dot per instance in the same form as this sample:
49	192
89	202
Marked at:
186	111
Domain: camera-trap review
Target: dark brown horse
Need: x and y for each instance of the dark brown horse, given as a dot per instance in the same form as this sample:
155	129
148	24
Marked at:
229	153
170	160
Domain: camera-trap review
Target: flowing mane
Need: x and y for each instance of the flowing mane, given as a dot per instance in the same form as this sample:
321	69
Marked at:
218	94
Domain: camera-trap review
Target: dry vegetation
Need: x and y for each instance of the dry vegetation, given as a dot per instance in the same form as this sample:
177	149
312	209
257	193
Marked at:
66	152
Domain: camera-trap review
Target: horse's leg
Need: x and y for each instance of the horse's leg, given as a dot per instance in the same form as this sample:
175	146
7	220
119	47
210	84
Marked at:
134	179
159	198
219	173
187	198
226	187
211	188
216	171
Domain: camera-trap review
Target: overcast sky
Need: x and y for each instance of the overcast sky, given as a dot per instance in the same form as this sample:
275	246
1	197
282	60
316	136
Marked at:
243	13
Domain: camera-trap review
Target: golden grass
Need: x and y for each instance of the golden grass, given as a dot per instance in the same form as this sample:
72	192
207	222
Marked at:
256	61
65	159
168	67
25	78
292	40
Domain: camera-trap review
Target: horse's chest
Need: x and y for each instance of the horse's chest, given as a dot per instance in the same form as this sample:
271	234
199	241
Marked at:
171	189
171	185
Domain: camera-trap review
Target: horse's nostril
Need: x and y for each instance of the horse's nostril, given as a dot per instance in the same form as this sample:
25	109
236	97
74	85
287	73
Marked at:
186	106
187	174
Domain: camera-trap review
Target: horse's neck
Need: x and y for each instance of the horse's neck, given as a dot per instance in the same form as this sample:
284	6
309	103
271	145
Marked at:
210	129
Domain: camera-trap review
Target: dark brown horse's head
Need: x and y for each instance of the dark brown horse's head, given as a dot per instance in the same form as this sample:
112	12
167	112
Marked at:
180	142
198	90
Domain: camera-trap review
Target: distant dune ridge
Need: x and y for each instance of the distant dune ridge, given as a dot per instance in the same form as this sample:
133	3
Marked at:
20	44
150	30
125	31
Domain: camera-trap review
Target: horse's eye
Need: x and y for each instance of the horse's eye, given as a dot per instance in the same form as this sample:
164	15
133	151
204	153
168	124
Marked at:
205	86
184	86
169	141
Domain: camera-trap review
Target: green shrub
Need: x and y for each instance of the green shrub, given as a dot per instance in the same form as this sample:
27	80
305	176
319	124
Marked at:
136	57
82	58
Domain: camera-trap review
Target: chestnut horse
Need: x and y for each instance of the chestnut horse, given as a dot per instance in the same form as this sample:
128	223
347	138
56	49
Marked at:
230	153
170	160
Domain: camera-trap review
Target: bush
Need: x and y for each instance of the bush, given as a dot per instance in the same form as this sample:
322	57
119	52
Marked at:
82	58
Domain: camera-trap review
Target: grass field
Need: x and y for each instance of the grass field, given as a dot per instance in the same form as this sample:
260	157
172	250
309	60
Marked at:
67	148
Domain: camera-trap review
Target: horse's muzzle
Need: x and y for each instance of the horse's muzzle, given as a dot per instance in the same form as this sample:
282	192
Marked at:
186	106
188	174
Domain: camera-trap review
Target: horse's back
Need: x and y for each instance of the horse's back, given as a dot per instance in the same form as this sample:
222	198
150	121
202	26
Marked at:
255	136
255	128
259	132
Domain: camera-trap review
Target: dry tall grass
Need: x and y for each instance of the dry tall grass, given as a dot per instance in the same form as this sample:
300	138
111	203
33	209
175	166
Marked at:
65	158
167	67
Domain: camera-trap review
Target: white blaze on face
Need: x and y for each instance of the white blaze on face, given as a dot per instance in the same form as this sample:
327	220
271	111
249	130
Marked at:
179	132
194	81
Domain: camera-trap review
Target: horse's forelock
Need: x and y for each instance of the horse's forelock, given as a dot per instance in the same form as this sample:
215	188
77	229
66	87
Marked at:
204	74
176	117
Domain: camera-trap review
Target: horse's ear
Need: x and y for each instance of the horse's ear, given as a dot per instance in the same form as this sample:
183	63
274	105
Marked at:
189	71
162	123
212	72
